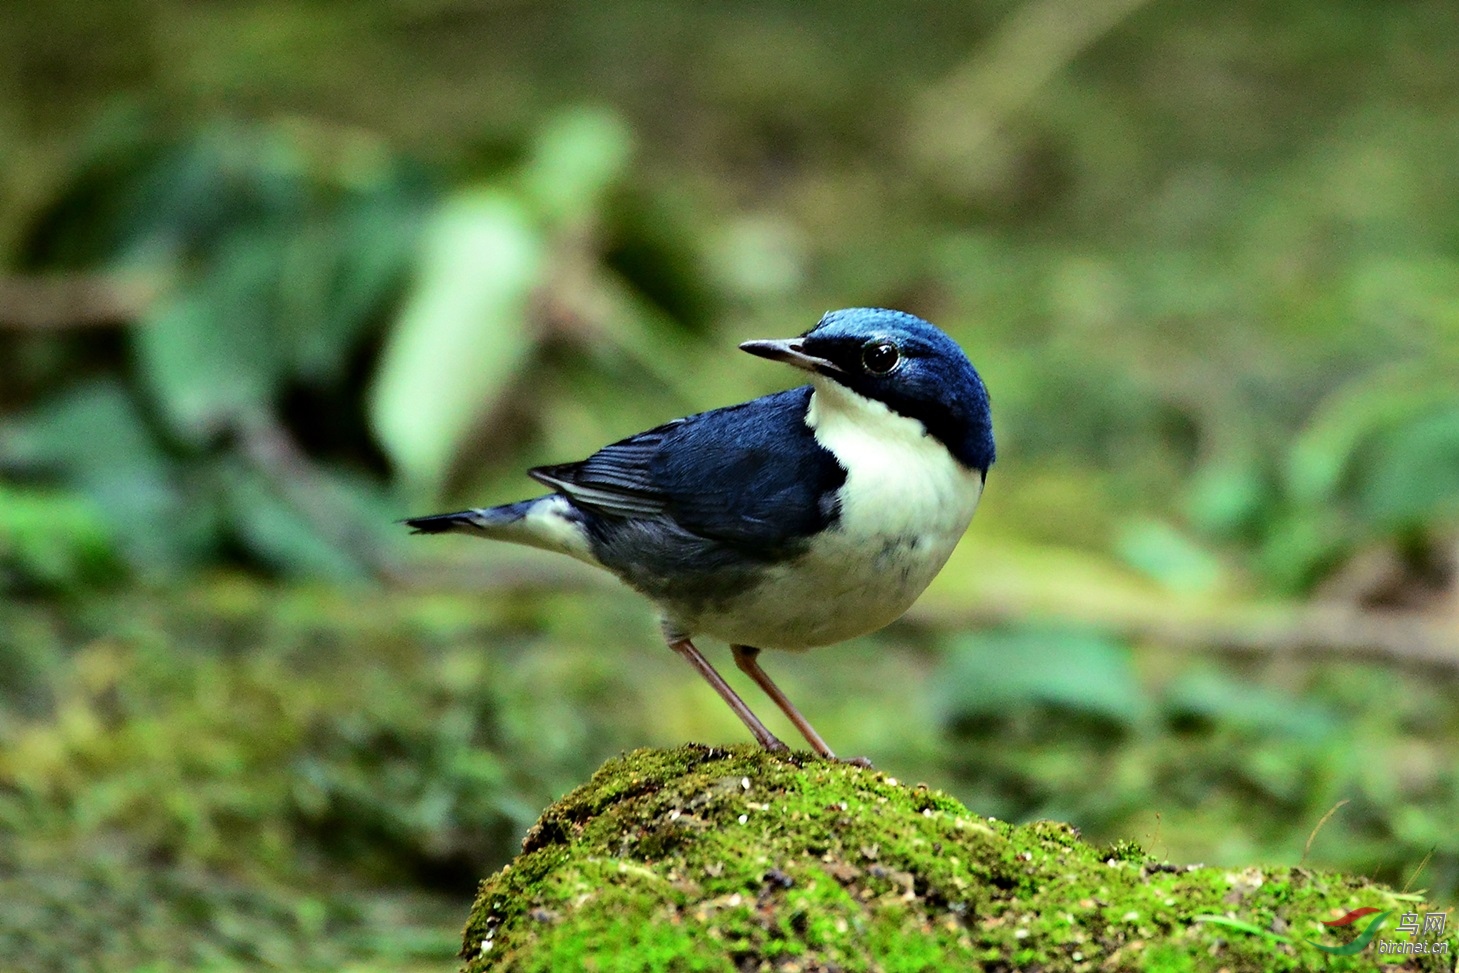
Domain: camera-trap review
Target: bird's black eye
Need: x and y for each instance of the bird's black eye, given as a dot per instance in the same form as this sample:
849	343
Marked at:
879	357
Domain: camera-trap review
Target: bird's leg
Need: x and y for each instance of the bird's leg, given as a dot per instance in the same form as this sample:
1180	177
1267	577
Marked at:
763	736
747	658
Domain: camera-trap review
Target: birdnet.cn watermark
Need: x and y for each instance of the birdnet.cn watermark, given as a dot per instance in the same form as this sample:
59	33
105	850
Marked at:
1424	932
1423	936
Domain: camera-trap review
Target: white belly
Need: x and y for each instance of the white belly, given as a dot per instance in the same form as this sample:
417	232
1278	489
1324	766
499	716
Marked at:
905	504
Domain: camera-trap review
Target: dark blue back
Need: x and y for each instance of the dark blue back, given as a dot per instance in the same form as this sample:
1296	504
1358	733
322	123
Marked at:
695	507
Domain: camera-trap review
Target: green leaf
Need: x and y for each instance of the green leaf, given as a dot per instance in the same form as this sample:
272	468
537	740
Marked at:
1227	497
95	439
1300	544
577	156
212	354
277	532
1165	555
1412	478
1221	699
462	335
993	672
1241	926
342	268
52	538
1349	420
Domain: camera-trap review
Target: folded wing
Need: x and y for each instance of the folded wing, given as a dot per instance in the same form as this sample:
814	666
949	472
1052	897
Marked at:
750	475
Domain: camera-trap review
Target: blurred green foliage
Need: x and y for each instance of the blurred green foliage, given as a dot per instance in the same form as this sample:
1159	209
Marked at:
289	780
275	275
1071	731
1223	325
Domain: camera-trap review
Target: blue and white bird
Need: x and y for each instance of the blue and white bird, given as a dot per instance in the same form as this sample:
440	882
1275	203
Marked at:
795	520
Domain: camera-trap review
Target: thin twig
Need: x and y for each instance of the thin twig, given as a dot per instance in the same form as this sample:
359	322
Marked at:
1419	870
1312	835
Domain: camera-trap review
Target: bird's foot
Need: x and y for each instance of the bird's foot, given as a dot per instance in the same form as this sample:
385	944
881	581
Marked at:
858	762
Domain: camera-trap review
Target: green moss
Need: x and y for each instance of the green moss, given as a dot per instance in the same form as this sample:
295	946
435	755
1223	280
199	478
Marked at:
732	859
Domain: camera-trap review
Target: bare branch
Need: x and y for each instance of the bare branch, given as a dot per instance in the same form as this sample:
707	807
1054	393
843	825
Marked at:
61	302
955	124
1409	638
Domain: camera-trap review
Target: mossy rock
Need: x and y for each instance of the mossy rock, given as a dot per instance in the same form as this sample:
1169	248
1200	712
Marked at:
737	859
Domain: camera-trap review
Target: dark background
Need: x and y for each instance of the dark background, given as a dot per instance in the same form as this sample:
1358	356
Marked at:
273	275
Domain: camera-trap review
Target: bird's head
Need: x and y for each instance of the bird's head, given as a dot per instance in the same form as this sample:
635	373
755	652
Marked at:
903	362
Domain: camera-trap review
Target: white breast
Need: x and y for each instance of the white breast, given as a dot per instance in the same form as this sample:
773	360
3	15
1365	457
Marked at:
905	504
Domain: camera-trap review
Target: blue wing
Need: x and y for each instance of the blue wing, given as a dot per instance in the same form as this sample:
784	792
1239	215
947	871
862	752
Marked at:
751	476
617	480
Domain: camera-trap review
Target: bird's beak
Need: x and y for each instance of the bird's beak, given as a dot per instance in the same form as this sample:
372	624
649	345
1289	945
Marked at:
790	351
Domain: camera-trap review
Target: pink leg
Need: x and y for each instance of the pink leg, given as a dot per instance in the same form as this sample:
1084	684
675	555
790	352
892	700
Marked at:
747	658
763	736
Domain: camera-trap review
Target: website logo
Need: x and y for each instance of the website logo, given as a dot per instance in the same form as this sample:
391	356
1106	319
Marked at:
1423	934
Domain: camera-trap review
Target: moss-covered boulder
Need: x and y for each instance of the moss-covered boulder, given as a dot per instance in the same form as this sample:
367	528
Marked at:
736	859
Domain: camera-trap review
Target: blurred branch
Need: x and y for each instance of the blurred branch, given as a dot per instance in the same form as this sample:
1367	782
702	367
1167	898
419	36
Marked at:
502	574
955	124
1407	638
58	302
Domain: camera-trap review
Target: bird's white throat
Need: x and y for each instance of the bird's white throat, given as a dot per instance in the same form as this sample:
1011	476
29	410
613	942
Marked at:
900	480
905	504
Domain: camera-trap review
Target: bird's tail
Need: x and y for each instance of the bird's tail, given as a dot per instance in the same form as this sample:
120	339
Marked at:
551	523
484	521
